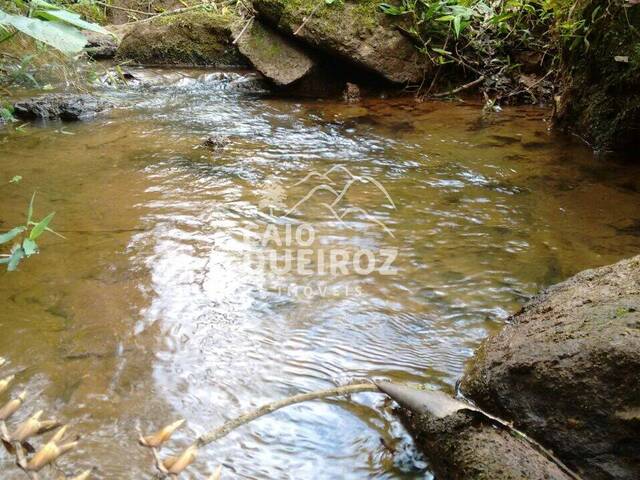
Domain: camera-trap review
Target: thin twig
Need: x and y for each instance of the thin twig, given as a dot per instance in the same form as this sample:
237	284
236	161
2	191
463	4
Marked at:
460	88
244	29
308	17
124	9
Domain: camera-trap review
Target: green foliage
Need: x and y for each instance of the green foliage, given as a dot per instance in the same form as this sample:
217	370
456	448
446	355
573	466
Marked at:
50	24
6	113
24	236
479	36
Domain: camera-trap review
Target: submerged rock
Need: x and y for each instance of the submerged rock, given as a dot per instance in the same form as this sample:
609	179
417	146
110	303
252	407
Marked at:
216	141
68	107
566	371
276	57
187	39
356	32
600	98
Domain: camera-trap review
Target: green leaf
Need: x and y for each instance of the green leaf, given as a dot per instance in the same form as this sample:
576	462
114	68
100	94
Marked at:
16	255
71	18
441	51
30	247
456	25
60	36
30	210
445	18
11	234
41	226
16	179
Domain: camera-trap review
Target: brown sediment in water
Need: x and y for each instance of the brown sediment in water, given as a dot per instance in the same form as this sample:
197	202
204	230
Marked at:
148	311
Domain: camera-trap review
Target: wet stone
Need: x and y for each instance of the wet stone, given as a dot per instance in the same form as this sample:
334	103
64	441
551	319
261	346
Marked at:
60	106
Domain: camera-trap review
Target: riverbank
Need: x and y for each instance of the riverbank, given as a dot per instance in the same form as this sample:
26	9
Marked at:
524	53
563	371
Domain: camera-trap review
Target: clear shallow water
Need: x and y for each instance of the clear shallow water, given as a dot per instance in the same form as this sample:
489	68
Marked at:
149	310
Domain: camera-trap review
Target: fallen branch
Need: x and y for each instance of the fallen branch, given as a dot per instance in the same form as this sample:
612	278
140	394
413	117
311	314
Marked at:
460	88
124	9
231	425
244	29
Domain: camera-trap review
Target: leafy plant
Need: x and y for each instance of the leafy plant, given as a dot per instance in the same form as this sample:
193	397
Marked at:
25	236
50	24
6	113
479	36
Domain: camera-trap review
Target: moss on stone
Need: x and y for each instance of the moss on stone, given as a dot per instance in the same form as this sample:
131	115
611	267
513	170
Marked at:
190	38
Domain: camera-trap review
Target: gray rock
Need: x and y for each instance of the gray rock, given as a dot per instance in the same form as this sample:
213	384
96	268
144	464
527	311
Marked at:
355	32
566	371
60	106
276	57
100	46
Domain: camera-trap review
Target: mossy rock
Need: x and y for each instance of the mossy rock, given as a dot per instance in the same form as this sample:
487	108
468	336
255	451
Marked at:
565	371
276	57
195	38
355	31
600	97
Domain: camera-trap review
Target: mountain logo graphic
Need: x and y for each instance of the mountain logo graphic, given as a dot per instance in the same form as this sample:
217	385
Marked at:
273	196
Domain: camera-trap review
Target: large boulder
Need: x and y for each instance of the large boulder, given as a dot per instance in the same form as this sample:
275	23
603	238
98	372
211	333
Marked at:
600	65
276	57
566	371
191	38
357	32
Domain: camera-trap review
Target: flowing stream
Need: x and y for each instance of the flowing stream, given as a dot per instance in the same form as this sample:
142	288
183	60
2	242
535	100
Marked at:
164	302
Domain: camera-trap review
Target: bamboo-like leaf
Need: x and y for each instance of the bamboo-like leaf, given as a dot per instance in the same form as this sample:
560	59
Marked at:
12	407
157	439
61	36
30	209
28	428
184	460
16	255
83	476
29	246
11	234
217	474
71	18
4	383
41	226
